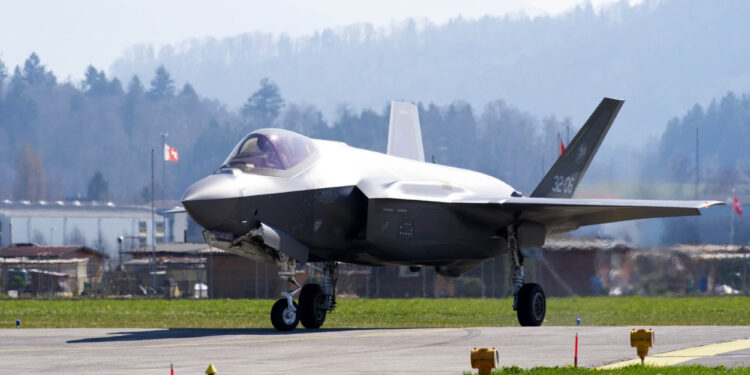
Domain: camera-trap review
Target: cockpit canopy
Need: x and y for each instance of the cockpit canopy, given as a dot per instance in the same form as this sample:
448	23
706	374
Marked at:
275	149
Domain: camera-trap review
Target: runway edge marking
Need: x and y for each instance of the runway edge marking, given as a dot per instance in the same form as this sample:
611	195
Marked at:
684	355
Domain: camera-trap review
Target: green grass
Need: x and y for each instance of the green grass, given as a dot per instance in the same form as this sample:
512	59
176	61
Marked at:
378	313
630	370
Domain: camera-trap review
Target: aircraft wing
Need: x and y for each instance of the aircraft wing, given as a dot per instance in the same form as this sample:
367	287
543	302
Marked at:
566	214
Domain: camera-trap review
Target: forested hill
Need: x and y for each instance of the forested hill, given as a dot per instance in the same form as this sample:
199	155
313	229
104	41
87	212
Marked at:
722	132
661	56
93	139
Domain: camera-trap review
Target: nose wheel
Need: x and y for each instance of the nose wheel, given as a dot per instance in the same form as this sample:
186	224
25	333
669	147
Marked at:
283	317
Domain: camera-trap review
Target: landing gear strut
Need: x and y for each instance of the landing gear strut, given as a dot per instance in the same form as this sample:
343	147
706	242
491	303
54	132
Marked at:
314	301
529	300
284	311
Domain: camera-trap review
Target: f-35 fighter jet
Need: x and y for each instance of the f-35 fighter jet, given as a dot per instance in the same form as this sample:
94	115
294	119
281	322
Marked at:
288	199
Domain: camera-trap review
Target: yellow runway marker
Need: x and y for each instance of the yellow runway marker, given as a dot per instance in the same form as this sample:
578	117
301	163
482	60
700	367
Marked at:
684	355
216	343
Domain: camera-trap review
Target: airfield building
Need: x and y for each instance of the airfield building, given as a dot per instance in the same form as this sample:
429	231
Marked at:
96	224
56	270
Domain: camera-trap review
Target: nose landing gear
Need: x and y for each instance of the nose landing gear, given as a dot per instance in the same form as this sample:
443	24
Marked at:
314	301
284	311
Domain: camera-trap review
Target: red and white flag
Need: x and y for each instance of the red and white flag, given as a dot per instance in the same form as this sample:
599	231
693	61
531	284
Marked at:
562	148
170	154
737	206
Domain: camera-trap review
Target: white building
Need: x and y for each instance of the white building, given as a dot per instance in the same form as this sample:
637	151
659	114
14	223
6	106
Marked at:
94	224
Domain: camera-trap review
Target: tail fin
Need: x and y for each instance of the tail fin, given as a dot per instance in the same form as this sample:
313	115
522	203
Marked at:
404	133
563	178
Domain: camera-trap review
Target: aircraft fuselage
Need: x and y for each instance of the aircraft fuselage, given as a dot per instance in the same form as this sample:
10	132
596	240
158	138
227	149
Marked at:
358	206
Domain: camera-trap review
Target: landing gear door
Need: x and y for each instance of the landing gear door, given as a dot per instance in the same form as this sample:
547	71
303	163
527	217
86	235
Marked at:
282	242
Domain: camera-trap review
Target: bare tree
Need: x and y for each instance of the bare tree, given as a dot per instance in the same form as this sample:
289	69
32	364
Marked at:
30	181
76	237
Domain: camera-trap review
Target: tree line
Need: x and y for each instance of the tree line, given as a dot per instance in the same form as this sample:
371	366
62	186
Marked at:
92	139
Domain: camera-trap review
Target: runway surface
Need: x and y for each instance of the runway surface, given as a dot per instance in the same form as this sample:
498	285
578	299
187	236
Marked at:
350	351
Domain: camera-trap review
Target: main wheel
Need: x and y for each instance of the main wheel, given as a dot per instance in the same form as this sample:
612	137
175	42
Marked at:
312	309
532	305
282	317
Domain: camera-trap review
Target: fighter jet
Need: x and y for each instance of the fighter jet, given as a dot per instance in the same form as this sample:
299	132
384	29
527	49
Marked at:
284	198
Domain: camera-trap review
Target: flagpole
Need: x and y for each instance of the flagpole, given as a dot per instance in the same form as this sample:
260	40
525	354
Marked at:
731	221
164	184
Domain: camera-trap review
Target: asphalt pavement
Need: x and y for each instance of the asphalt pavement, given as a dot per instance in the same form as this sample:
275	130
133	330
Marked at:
351	351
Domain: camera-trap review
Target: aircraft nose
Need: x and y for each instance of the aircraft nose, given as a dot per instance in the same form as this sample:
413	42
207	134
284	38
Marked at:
212	200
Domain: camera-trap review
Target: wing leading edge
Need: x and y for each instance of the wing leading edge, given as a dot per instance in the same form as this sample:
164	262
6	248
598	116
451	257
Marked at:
566	214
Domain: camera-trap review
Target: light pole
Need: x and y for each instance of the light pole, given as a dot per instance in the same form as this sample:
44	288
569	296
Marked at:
49	266
119	251
153	228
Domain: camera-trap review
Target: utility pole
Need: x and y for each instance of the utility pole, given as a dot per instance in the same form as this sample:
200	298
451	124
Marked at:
494	283
119	251
484	288
377	282
697	160
153	228
49	265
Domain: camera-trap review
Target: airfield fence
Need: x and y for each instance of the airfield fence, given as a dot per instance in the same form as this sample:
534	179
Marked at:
568	271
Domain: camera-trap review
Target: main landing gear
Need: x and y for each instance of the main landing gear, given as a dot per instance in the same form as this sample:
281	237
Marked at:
314	301
529	300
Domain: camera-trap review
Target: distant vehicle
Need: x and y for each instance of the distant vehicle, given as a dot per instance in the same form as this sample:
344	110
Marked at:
282	197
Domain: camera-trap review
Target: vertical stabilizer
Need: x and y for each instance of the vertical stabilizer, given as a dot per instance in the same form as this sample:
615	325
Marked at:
563	178
404	133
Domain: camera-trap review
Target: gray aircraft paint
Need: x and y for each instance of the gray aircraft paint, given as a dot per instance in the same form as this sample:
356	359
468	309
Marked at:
565	175
352	205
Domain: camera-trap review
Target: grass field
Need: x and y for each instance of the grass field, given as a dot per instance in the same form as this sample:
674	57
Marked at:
631	370
373	313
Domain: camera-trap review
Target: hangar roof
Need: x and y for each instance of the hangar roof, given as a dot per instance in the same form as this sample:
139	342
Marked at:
178	248
72	209
32	251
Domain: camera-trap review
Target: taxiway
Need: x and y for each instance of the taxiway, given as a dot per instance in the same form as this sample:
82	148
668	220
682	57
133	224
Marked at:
347	351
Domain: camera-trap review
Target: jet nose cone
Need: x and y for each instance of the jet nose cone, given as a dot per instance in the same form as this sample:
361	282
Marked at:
212	200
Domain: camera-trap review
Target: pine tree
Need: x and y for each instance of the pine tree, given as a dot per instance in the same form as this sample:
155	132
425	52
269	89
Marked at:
3	75
135	88
263	107
98	188
34	73
162	85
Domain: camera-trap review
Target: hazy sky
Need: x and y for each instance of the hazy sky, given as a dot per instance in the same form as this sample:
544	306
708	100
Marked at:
69	35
